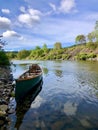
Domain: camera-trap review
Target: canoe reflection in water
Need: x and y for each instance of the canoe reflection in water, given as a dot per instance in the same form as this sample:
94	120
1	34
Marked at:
24	105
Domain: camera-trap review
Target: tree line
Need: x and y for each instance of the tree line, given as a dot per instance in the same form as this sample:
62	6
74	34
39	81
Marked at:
91	38
37	53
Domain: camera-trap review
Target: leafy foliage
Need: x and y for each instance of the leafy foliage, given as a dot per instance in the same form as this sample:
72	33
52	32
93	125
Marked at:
23	54
11	55
57	45
3	58
91	37
80	39
2	43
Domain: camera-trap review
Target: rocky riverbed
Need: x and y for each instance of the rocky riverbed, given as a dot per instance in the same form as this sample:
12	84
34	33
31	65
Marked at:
6	88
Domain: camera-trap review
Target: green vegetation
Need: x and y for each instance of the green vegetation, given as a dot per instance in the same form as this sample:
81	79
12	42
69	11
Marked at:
80	39
3	57
12	94
78	52
22	54
86	48
11	55
57	45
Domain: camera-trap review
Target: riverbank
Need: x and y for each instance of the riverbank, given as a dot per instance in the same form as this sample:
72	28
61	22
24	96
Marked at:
75	52
6	88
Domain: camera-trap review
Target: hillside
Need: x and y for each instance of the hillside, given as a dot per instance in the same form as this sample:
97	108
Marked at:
76	52
83	52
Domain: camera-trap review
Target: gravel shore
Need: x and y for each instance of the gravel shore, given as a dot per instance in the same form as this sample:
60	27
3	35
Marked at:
6	88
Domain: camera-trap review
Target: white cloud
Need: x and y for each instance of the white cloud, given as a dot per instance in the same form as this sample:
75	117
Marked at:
70	108
22	9
6	11
66	6
51	31
37	102
55	29
29	18
53	6
9	33
92	16
5	23
34	12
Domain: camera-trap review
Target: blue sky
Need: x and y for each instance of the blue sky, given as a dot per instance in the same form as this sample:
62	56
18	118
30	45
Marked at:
25	24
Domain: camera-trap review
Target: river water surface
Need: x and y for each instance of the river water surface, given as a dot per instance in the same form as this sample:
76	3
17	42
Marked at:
67	99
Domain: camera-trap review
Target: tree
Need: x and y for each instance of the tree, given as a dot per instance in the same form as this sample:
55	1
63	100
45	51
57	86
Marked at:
23	54
44	47
37	48
96	31
2	43
80	39
3	57
57	45
91	37
96	26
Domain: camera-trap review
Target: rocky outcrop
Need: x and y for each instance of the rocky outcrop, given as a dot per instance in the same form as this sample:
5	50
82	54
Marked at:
6	87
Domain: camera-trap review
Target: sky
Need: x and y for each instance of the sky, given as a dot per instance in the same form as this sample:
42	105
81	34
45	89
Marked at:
25	24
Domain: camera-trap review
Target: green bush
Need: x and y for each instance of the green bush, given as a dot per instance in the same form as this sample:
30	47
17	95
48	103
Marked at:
58	56
23	54
81	56
11	55
65	56
92	46
3	58
91	55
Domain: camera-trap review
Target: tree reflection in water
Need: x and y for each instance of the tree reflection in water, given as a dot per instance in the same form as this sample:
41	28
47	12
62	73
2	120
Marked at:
58	73
45	70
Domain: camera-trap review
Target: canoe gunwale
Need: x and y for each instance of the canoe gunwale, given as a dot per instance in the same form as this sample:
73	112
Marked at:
29	74
29	77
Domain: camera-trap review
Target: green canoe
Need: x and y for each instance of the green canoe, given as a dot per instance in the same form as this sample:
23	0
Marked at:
27	81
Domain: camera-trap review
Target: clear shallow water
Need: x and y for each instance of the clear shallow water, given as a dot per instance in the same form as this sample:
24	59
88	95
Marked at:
67	99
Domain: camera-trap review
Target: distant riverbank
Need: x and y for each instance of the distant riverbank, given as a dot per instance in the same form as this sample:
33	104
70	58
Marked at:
77	52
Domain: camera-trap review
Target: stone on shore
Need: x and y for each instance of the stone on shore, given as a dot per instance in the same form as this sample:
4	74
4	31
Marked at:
6	88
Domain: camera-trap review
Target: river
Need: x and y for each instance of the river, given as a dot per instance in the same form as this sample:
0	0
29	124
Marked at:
67	99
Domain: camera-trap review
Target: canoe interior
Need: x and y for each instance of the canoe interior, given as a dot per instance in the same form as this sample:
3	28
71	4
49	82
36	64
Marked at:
33	72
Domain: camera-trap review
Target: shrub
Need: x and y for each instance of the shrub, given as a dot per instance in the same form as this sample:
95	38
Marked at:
81	56
91	55
23	54
92	46
65	56
3	58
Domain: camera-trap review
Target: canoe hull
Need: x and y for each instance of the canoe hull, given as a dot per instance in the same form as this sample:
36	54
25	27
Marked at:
24	86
